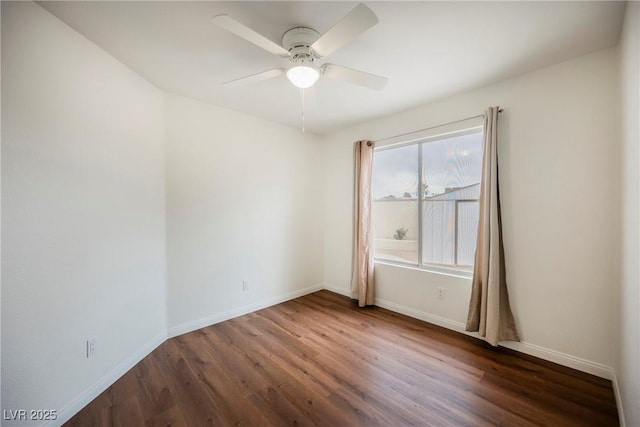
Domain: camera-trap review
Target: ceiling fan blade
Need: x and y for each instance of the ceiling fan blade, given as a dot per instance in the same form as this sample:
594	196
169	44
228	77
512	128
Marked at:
350	75
254	78
241	30
360	19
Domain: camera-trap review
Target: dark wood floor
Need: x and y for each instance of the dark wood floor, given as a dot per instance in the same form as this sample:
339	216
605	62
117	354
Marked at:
319	360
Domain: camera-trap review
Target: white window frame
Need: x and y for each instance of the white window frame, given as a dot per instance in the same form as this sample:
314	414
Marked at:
460	128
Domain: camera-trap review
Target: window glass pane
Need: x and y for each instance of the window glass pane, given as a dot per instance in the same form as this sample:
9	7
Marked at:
451	172
395	204
438	232
468	213
395	173
451	163
447	186
395	230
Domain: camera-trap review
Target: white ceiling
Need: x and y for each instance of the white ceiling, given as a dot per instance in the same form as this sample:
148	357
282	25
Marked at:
428	50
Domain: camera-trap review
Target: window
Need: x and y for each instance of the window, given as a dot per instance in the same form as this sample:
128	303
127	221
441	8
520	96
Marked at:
425	201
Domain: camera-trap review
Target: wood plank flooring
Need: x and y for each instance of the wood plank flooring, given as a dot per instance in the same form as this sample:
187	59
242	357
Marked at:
320	360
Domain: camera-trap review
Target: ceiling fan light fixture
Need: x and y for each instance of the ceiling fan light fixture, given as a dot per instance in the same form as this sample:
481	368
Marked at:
303	76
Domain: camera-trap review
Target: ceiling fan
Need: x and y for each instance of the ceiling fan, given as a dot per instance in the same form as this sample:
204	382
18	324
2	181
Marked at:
303	46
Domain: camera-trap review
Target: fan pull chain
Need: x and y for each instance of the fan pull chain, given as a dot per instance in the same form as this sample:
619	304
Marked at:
302	93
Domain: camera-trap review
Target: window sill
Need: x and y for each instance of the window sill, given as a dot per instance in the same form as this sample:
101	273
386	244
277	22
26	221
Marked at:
429	269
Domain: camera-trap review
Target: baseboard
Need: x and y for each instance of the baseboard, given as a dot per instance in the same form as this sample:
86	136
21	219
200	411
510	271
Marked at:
554	356
618	395
106	381
422	315
87	396
67	412
337	290
584	365
240	311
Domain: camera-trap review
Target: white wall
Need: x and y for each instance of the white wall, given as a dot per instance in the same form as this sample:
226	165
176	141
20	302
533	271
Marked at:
83	214
84	175
244	202
558	152
628	361
0	221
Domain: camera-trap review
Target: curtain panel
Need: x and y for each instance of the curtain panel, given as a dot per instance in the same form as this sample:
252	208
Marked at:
362	258
489	310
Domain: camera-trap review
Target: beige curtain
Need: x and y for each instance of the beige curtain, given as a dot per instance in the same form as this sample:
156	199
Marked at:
489	310
362	276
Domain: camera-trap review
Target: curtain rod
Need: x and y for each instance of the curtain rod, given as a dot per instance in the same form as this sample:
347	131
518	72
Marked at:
500	110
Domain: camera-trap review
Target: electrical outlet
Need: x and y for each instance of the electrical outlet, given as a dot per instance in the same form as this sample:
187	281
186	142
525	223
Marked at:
245	285
440	293
91	347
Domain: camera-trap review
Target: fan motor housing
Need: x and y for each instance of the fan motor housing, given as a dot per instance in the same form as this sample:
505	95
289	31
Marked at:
298	42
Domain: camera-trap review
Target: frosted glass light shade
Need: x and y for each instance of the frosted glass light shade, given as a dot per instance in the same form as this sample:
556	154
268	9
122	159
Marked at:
303	76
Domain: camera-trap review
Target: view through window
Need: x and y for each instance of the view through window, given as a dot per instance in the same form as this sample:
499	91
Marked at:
425	201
